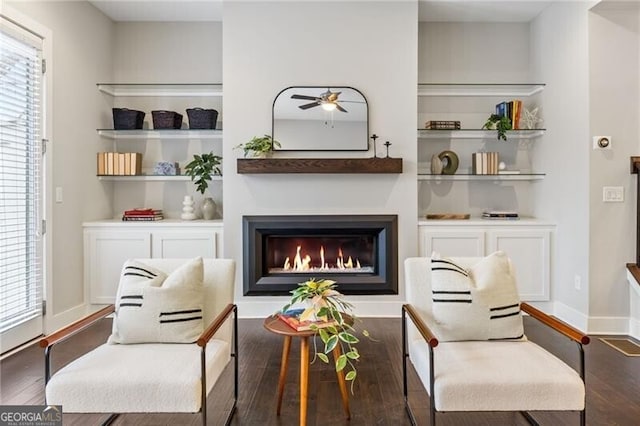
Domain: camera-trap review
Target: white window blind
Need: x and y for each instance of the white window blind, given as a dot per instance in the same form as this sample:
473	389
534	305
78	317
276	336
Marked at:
20	176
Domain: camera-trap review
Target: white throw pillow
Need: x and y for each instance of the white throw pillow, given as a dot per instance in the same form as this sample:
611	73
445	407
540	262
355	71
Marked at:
155	308
476	303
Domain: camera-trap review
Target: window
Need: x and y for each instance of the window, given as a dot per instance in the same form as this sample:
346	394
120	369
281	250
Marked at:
20	177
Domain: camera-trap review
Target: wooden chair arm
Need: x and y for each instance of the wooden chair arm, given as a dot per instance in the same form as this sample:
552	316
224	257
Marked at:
215	325
75	327
556	324
422	327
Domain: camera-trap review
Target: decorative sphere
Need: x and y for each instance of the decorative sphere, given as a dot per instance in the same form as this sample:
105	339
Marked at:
502	166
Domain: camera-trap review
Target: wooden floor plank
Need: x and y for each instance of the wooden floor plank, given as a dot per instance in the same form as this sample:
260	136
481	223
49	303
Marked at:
613	383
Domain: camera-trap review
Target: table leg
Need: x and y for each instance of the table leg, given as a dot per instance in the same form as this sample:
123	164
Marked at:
304	378
342	383
284	363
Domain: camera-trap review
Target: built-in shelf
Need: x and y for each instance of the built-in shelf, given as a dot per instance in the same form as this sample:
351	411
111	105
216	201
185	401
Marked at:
467	177
169	89
489	89
478	134
150	178
319	165
161	134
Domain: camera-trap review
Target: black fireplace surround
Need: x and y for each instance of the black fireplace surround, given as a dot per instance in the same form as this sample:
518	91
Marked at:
359	252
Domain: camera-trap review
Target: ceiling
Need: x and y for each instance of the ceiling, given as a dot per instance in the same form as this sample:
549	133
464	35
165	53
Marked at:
429	11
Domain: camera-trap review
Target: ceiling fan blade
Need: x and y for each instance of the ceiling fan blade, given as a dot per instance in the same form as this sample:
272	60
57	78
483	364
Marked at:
311	105
305	97
351	102
339	108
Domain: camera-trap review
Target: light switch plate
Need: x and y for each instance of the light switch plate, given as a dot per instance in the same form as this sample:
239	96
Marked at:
613	194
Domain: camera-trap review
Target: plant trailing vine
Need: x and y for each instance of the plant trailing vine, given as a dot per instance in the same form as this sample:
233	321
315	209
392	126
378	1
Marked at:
258	145
201	169
326	303
500	123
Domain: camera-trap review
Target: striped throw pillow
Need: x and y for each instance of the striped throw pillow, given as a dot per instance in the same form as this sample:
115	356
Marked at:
152	307
480	302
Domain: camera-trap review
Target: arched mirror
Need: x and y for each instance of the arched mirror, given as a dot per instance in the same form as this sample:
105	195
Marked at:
321	118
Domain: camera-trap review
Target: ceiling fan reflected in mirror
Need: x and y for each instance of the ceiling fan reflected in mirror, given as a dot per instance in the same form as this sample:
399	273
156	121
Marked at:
327	100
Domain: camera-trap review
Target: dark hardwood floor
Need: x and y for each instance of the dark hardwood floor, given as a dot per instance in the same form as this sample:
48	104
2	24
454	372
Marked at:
613	384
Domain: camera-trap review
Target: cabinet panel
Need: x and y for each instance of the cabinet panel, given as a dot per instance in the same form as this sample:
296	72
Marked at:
181	244
105	253
451	242
529	251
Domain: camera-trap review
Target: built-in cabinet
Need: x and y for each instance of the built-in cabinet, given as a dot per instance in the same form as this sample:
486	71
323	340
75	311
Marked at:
108	244
527	243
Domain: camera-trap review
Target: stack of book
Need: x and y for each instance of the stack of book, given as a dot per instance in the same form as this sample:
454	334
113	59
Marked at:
142	215
442	125
494	214
511	109
119	163
291	317
484	163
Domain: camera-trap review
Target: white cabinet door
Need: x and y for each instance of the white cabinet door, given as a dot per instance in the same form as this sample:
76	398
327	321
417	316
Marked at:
105	253
529	250
451	242
185	244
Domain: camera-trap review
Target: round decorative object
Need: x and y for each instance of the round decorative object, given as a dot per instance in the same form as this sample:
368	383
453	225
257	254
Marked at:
502	166
208	208
436	165
187	209
449	161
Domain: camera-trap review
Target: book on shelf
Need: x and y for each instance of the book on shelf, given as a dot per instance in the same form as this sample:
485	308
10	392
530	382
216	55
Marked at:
291	317
442	125
142	215
494	214
142	218
119	163
484	163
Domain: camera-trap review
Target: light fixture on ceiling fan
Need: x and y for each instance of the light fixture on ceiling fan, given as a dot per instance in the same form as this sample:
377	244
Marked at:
327	100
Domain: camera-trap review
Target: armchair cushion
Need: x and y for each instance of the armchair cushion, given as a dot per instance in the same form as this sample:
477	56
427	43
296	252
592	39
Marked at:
152	307
476	303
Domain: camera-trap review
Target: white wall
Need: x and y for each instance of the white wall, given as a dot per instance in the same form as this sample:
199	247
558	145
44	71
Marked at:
559	58
369	46
614	109
82	56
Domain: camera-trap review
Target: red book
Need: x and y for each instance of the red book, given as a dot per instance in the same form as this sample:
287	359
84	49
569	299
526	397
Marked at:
142	212
292	319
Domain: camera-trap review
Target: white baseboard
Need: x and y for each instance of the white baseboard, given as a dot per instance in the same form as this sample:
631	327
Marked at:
608	325
62	319
263	308
571	316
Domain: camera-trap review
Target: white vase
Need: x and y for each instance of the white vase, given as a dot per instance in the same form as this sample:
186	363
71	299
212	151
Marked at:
187	208
208	208
436	165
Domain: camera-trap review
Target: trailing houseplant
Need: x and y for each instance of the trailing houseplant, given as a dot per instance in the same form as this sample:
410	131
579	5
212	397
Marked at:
258	146
324	302
500	123
202	168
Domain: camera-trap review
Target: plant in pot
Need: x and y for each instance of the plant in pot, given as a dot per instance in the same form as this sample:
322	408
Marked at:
258	146
325	305
201	169
500	123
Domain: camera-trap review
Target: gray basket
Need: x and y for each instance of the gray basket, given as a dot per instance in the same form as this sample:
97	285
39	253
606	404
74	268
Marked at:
127	119
166	120
200	118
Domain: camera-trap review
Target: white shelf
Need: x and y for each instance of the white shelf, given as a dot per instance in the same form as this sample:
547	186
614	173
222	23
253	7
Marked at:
478	134
465	177
150	178
161	134
195	89
498	90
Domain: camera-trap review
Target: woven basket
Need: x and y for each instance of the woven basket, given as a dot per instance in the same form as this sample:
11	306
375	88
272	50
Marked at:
127	119
166	120
200	118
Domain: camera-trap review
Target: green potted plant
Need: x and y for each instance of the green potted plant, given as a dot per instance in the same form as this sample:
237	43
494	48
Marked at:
500	123
259	146
201	169
324	302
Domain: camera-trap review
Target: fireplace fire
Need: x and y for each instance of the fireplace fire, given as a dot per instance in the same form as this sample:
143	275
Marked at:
359	252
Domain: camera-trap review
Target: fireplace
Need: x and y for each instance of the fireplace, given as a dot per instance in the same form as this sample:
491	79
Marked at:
359	252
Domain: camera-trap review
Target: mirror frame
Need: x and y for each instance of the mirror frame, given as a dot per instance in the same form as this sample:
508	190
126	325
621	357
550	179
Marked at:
323	87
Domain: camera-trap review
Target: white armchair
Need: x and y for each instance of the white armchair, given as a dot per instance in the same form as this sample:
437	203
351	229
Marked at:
484	375
152	377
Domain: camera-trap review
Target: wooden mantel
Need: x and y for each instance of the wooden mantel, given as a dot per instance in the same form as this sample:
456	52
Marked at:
319	165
